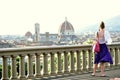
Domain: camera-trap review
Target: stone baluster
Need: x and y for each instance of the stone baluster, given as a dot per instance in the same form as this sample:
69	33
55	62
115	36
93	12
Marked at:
14	69
66	71
84	61
45	73
37	66
90	61
116	57
107	65
119	58
112	54
30	66
22	67
59	63
5	68
78	62
72	62
52	64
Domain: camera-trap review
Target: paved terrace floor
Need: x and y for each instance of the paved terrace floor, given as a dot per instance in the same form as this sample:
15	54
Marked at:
110	75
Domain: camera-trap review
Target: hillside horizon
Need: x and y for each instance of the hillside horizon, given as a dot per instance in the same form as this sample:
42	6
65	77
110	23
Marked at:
111	24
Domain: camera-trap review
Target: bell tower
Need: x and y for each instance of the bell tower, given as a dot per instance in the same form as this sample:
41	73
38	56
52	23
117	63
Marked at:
37	32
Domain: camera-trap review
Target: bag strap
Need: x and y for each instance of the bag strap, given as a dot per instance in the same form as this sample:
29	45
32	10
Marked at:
97	36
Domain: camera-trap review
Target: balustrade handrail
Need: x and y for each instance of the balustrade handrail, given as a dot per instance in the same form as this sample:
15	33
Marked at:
32	49
56	60
2	50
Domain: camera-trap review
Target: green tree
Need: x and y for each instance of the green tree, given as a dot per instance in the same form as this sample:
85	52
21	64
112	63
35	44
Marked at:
88	41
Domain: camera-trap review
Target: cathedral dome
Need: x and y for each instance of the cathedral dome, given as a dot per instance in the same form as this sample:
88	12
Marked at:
66	28
28	34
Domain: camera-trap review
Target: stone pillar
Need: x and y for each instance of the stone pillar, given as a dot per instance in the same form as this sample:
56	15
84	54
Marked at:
72	62
22	68
52	64
119	58
45	73
107	65
59	63
30	67
37	66
5	69
66	63
14	69
90	63
78	62
84	60
112	54
116	57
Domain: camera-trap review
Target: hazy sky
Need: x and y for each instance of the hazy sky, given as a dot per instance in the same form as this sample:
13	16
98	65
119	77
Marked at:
19	16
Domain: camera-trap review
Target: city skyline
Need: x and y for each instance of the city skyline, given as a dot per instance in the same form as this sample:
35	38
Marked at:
18	17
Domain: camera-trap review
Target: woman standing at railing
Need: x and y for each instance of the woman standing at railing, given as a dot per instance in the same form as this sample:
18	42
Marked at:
103	55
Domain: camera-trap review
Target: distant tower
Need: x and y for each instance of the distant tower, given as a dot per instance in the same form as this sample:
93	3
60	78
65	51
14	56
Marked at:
47	36
37	33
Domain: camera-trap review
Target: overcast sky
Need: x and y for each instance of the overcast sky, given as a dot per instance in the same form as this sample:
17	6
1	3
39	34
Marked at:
19	16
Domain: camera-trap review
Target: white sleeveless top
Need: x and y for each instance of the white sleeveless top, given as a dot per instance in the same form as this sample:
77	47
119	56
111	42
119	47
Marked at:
101	40
105	39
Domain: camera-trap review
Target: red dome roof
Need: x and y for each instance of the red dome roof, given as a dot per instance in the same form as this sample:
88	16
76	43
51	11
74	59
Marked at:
66	26
28	34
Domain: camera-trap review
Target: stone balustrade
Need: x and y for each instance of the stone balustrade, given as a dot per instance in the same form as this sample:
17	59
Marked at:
47	61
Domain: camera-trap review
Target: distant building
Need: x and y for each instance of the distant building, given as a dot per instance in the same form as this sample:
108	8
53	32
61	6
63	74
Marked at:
6	44
48	39
65	35
37	33
29	36
66	28
47	36
66	32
